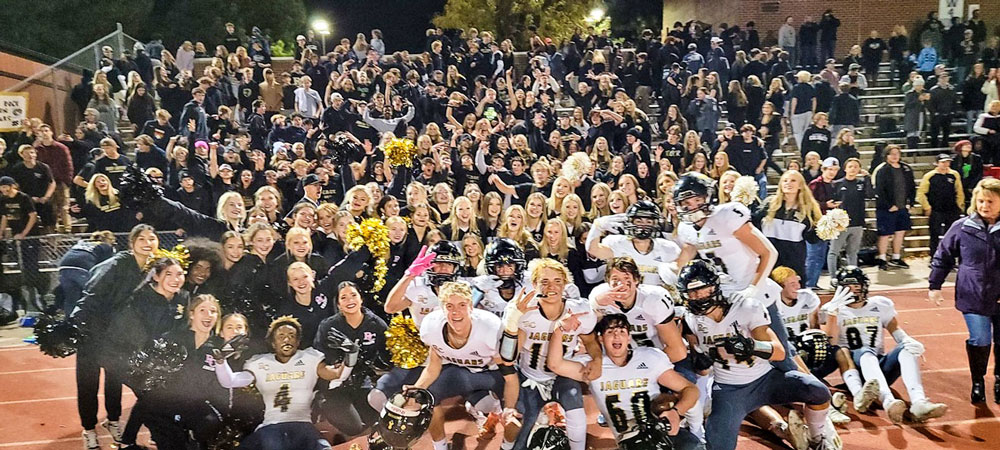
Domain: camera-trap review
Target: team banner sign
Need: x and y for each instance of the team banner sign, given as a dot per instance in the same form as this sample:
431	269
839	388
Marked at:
13	110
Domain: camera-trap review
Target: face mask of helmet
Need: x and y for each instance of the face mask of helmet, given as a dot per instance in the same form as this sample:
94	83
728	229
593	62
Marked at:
439	278
702	305
641	231
509	281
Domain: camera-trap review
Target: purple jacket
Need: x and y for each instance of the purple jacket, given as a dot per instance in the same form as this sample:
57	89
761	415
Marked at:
977	287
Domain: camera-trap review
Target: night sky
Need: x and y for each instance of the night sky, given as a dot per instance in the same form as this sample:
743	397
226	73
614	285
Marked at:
403	22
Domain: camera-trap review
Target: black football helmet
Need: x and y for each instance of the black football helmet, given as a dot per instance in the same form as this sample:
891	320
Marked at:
447	252
849	275
399	427
699	274
505	251
814	347
690	186
653	435
548	438
643	209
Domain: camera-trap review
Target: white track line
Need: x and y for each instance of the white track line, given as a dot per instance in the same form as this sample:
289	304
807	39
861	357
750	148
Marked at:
51	369
55	399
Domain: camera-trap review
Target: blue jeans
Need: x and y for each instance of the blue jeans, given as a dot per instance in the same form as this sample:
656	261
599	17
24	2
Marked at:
981	329
71	281
815	258
762	183
565	391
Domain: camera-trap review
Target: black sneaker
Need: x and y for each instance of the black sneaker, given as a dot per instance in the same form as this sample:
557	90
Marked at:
898	262
883	265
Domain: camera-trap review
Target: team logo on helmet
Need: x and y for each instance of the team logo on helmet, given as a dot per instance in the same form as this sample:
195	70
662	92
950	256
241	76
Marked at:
400	427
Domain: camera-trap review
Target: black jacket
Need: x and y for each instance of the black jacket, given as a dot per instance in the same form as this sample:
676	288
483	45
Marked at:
845	110
882	182
106	293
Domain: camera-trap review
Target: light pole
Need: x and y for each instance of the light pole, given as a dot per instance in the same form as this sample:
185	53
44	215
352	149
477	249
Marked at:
322	27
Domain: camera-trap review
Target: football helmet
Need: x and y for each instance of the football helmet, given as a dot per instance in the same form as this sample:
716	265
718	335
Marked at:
691	186
849	275
548	438
505	251
814	347
400	427
447	252
699	274
643	209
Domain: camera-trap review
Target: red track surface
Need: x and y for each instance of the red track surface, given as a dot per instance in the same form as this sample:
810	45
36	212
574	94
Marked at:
38	406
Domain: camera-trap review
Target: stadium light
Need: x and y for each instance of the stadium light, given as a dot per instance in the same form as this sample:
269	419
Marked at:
322	27
596	15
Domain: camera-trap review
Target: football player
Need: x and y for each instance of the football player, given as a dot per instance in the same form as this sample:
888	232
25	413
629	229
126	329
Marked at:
724	236
462	358
642	223
505	265
286	379
627	390
531	322
735	331
858	320
416	292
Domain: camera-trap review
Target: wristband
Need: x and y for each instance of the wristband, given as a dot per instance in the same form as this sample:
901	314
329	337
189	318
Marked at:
508	346
899	335
763	349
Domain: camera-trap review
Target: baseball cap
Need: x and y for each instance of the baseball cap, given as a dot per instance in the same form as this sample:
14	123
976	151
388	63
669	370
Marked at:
831	61
7	181
831	162
854	66
225	167
200	144
183	173
716	39
310	179
944	157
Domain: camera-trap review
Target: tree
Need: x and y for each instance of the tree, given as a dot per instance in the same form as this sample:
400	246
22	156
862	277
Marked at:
557	19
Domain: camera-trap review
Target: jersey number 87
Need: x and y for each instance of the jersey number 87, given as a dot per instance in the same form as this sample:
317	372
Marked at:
854	340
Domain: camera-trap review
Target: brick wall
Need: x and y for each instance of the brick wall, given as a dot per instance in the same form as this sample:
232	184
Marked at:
857	17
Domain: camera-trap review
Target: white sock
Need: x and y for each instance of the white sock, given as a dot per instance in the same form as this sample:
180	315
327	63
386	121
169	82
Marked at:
816	419
909	369
853	380
895	256
377	399
871	370
704	384
441	445
488	404
881	256
576	429
506	445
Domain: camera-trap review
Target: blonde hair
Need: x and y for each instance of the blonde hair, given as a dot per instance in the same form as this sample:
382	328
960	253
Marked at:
595	212
575	223
807	209
561	249
197	300
991	185
723	195
473	224
803	76
350	193
537	266
523	236
457	289
552	198
298	265
295	232
220	209
93	196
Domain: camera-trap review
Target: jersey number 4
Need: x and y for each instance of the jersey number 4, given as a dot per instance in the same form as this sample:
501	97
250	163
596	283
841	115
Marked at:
639	403
854	340
282	399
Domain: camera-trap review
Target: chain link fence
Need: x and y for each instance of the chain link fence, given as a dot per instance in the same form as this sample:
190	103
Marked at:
30	266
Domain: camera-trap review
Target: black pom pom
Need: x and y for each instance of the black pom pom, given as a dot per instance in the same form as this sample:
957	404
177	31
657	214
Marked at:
151	367
343	149
56	338
136	190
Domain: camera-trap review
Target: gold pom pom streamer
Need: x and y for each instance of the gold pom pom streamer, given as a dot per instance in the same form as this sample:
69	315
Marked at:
374	234
834	222
400	152
403	341
179	253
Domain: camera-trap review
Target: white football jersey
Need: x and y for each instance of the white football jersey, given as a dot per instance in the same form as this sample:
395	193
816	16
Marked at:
533	354
477	353
287	388
653	306
746	314
664	252
863	327
493	302
716	243
621	390
796	317
422	299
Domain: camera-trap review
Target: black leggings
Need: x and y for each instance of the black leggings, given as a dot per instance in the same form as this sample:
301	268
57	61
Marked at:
347	409
88	378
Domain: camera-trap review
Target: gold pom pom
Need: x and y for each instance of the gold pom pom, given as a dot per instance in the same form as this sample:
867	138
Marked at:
400	152
179	253
373	233
403	341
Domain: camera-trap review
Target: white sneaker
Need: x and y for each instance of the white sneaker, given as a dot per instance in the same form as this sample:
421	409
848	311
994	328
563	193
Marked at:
830	440
114	430
895	410
90	440
798	431
839	418
869	393
780	429
923	410
839	403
